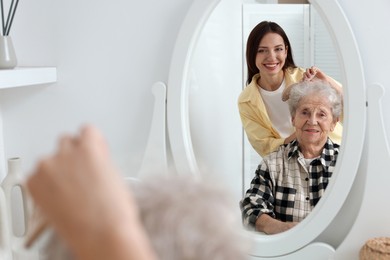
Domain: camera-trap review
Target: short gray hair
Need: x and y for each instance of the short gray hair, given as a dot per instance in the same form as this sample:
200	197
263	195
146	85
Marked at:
185	218
317	88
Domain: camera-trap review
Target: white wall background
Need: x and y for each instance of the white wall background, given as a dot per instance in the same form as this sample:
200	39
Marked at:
108	54
368	19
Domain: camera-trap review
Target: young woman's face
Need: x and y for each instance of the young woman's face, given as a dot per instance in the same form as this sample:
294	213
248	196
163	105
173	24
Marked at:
271	54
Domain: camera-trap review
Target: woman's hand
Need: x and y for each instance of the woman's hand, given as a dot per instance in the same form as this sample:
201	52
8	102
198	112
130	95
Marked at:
270	226
313	73
86	201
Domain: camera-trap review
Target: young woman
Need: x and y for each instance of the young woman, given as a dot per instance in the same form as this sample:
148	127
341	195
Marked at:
271	70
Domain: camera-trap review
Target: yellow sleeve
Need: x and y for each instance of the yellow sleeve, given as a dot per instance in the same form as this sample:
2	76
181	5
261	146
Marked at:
337	133
263	138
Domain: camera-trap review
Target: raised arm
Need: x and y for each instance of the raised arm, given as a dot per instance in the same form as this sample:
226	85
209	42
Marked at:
85	200
314	73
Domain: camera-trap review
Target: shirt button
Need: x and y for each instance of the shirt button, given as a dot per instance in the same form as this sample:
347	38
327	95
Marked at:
306	179
307	198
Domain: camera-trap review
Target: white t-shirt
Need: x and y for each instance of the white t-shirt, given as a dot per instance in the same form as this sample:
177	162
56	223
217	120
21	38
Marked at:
278	111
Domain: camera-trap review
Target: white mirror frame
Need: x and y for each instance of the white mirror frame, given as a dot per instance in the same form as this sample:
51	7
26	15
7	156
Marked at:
354	122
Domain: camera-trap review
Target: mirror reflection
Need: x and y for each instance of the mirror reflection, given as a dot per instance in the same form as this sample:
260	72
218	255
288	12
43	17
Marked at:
292	137
218	74
310	45
290	181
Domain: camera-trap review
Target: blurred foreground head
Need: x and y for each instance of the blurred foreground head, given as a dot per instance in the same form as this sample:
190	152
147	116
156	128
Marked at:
185	219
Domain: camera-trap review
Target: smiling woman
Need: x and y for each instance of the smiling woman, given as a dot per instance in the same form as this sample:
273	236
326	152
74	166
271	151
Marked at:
205	131
271	70
290	181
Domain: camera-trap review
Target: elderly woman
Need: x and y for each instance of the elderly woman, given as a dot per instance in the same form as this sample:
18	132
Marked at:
94	215
291	180
177	229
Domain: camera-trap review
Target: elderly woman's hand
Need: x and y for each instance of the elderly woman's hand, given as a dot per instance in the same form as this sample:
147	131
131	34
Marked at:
86	201
271	226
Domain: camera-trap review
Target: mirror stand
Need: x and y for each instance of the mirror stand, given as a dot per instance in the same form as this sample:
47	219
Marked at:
317	249
155	156
347	233
369	187
324	229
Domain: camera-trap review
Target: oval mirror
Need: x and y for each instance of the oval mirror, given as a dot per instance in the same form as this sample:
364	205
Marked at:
221	136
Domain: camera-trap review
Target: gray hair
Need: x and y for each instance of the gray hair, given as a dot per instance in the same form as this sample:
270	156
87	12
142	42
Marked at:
185	218
317	88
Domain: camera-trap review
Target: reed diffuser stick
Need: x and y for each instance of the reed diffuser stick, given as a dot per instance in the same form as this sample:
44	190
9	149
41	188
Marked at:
12	17
9	16
2	17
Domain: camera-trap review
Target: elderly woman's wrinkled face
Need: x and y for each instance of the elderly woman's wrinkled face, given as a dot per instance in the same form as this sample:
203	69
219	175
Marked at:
313	120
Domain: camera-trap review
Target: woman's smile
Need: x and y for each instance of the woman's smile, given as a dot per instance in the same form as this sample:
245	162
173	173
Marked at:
311	130
271	66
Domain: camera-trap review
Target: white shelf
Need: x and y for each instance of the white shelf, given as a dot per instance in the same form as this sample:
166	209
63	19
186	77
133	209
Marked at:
23	76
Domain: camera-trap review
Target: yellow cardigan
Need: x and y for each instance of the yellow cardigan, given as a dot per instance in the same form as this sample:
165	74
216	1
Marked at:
256	122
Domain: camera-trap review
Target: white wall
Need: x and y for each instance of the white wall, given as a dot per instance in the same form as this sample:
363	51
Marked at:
108	54
368	20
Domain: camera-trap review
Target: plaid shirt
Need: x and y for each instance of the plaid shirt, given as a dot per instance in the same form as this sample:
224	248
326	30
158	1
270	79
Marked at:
284	187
